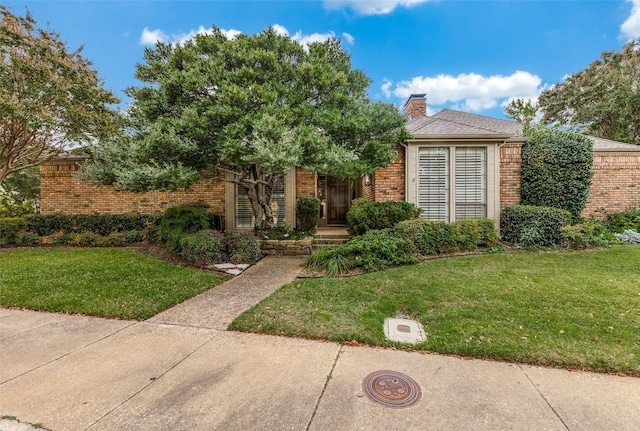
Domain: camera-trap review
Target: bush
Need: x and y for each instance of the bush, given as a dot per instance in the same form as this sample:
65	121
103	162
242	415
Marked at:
556	170
307	213
589	233
101	224
206	247
375	250
243	248
433	238
629	236
11	229
9	209
179	221
626	220
533	226
379	215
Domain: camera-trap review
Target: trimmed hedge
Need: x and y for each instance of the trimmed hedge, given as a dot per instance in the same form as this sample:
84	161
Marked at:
100	224
533	225
556	170
180	221
11	229
379	215
432	237
307	213
206	247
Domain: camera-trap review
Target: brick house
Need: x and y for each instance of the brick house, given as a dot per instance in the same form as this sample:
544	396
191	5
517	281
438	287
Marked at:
456	166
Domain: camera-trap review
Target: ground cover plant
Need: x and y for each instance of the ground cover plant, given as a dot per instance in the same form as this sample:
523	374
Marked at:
560	308
106	282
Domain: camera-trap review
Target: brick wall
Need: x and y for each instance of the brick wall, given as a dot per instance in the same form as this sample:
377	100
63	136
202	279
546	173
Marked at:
615	185
510	165
305	183
63	193
389	182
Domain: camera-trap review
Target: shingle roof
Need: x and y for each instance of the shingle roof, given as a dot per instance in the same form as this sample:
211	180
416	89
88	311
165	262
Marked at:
450	122
601	144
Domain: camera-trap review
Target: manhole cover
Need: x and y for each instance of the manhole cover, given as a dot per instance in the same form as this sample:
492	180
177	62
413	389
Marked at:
391	389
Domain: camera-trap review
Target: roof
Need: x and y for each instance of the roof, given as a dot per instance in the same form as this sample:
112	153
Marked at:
450	122
601	144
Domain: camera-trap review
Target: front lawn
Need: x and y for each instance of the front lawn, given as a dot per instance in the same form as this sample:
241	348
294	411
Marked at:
568	309
105	282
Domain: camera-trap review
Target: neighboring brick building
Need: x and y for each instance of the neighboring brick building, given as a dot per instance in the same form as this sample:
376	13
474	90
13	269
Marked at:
457	166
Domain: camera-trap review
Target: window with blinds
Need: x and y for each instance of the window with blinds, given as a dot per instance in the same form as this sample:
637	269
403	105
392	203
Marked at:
471	183
244	213
433	183
452	173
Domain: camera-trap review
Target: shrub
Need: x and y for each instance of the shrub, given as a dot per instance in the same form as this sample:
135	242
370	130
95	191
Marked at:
556	170
432	238
243	248
376	249
101	224
589	233
533	226
203	248
9	209
620	222
307	213
379	215
11	229
629	236
179	221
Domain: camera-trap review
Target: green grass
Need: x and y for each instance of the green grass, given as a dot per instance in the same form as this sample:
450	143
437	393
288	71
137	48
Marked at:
105	282
567	309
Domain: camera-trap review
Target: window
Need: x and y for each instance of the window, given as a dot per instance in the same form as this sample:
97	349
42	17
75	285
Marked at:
452	180
244	214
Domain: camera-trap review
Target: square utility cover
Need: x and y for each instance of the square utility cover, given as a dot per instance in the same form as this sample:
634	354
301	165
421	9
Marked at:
404	331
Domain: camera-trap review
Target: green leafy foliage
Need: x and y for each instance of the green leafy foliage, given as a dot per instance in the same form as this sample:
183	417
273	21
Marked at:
619	222
375	250
11	228
556	170
587	234
533	225
100	224
61	100
379	215
254	106
179	221
308	213
602	100
206	247
432	238
242	247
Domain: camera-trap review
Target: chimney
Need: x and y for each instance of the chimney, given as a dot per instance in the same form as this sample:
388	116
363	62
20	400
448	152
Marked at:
416	106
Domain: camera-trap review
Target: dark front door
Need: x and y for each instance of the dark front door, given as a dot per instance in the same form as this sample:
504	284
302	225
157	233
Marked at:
337	200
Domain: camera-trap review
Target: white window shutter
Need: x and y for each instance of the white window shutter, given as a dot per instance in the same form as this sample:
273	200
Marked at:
433	183
471	182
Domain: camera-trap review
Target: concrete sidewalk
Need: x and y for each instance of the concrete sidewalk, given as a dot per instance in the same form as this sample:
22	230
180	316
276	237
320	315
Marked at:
177	372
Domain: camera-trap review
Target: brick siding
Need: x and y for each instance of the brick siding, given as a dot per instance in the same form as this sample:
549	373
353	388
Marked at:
389	182
510	165
63	193
615	185
305	184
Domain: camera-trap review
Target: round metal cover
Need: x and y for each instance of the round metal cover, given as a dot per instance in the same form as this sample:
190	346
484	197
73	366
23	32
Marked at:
391	389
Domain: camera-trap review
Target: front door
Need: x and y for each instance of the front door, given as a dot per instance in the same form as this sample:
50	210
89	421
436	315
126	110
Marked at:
337	200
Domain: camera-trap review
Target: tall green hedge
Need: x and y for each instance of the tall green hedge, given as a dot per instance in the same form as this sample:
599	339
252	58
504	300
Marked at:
556	170
307	213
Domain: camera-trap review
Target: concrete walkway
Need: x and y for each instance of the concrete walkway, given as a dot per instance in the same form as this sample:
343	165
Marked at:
177	372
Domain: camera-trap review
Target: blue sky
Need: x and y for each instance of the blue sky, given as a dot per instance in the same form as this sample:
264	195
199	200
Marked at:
469	55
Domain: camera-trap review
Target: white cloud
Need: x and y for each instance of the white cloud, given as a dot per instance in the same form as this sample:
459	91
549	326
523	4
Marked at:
631	27
370	7
350	39
151	37
469	92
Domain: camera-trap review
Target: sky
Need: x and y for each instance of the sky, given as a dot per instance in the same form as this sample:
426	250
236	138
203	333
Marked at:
469	55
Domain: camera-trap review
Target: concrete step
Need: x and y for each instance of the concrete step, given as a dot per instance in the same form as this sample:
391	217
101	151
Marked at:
329	241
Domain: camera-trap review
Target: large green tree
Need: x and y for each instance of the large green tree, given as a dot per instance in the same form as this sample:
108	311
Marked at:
602	100
50	98
249	108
